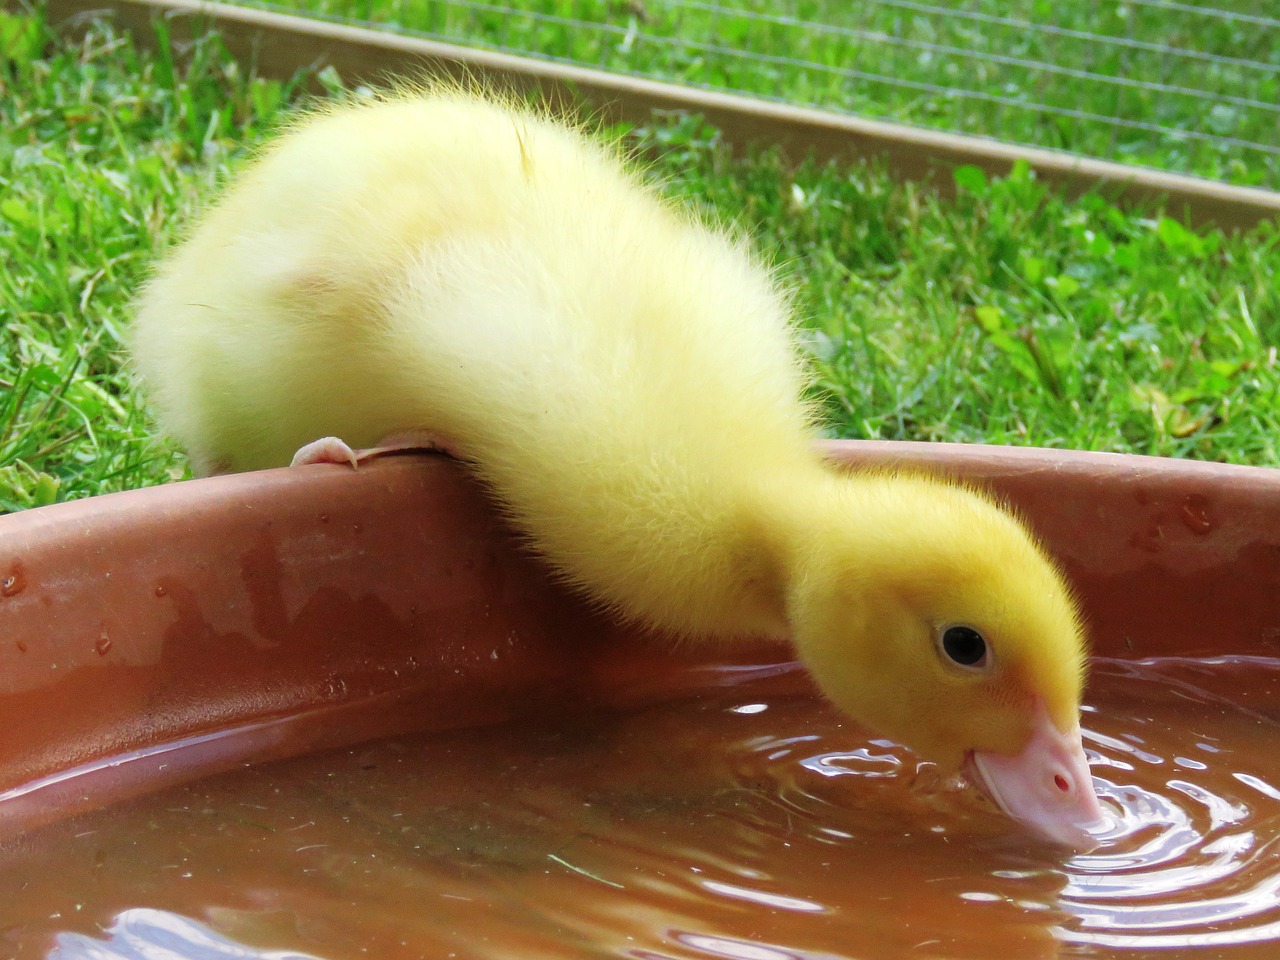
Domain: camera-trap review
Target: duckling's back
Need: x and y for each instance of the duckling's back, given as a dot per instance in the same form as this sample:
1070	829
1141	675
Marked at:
447	263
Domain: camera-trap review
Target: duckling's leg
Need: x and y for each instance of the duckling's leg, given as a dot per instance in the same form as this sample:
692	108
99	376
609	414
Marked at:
207	466
337	450
325	450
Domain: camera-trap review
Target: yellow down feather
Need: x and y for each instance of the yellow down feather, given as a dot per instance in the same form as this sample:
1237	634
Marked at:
622	376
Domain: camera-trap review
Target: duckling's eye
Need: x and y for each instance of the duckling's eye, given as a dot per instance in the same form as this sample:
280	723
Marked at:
965	646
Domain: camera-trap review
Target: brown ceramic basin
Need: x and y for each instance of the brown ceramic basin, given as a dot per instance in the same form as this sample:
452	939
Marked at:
276	613
151	642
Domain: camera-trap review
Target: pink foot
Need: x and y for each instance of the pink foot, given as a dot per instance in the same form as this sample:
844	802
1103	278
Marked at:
334	450
325	450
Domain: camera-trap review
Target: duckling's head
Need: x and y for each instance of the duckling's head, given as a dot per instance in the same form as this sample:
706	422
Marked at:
928	613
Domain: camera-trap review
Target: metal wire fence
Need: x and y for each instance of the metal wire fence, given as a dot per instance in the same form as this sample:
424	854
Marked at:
1185	87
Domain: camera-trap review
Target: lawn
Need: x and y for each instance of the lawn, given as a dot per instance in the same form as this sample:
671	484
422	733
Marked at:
1007	315
1192	88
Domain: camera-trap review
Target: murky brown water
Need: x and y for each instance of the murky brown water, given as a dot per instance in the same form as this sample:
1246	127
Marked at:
747	823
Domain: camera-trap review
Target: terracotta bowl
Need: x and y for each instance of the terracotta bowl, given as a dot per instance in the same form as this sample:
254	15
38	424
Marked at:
264	615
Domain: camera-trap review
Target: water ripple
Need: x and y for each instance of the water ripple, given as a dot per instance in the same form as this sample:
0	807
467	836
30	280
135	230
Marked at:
1184	863
1188	857
751	823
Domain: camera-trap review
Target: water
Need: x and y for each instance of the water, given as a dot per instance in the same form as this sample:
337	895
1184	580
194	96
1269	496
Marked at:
750	823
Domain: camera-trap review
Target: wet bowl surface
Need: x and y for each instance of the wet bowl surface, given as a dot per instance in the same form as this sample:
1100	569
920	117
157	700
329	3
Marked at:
321	714
743	820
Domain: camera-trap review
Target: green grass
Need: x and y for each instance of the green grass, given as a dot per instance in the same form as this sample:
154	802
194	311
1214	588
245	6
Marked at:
969	68
1008	315
101	149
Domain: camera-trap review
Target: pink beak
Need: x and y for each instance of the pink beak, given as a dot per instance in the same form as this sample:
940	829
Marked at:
1047	786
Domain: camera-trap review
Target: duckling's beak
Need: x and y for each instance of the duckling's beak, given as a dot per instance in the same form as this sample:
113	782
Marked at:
1047	786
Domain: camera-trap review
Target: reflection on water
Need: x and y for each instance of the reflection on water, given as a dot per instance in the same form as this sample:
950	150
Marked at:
1189	861
750	823
158	935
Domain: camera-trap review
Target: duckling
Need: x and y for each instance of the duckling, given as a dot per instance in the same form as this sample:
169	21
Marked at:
624	378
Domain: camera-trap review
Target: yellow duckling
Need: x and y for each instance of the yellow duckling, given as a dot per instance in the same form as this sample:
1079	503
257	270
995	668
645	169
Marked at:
624	379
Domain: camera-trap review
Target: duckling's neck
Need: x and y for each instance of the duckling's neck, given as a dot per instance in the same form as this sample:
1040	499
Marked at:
782	516
701	553
741	572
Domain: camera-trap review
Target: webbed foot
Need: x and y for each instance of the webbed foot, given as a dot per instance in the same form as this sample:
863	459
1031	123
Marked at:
336	450
325	450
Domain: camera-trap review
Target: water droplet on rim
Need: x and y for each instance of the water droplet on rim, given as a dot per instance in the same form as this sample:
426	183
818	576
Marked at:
14	583
1195	514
